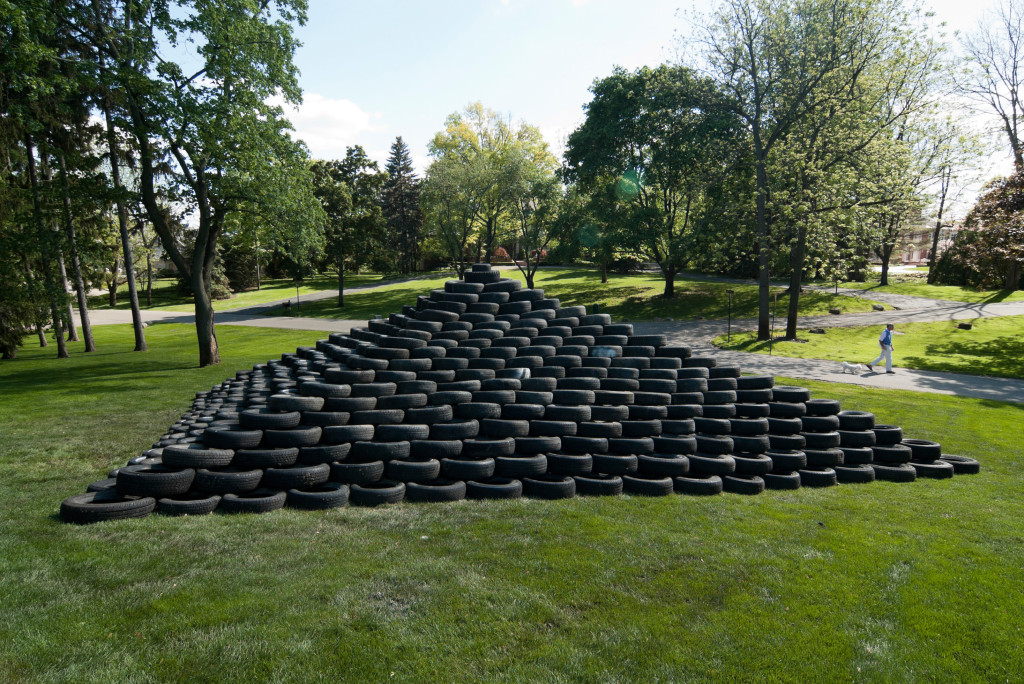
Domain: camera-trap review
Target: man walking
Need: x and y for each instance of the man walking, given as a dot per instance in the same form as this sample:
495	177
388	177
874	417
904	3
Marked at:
885	342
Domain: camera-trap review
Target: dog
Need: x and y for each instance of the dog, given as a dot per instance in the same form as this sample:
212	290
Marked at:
853	368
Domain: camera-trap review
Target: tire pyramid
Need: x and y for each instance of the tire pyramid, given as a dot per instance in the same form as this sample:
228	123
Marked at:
487	390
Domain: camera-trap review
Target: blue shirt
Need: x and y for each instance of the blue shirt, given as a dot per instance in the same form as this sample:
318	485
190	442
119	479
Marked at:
886	337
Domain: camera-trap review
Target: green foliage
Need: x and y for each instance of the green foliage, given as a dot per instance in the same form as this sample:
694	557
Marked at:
653	143
996	252
400	205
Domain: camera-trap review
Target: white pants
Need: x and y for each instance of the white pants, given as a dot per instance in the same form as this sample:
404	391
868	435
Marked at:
886	355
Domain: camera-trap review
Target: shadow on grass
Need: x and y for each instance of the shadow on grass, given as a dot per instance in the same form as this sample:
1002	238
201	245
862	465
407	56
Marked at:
1002	357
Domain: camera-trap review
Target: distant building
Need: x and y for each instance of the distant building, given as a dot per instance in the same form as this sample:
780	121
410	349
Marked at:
916	245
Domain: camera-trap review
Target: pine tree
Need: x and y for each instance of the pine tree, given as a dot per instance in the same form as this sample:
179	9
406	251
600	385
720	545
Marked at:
401	206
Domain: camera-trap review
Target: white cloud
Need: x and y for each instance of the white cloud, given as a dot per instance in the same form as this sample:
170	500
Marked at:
329	125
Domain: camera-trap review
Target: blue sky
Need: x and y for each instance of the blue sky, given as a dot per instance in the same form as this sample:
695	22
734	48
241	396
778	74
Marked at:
375	69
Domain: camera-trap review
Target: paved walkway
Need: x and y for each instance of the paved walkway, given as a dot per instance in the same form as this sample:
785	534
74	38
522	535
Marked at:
698	334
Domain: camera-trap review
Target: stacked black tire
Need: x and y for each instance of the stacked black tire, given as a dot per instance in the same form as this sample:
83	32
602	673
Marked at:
485	390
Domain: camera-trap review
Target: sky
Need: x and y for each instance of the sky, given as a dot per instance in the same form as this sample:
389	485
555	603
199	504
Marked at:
373	70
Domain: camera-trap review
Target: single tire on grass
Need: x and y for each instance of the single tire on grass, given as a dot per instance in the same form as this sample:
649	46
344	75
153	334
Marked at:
318	498
962	465
494	488
94	507
437	490
783	481
192	503
549	487
743	484
855	474
647	485
937	470
376	493
257	501
698	485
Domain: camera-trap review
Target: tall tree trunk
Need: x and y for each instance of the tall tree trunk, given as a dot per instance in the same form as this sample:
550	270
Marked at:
604	270
112	289
209	352
763	250
341	283
44	249
886	254
126	244
1013	275
30	277
72	331
933	255
670	281
76	263
149	279
796	270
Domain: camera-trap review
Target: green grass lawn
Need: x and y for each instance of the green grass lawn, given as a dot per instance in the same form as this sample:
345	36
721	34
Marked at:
917	286
995	346
881	582
167	298
625	297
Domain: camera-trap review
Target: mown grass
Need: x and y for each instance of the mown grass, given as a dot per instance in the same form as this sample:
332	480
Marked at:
625	297
994	346
916	286
166	296
880	582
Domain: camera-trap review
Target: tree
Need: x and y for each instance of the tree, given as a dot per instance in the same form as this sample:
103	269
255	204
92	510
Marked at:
451	206
998	218
210	141
658	138
537	204
995	74
350	191
785	63
496	150
401	206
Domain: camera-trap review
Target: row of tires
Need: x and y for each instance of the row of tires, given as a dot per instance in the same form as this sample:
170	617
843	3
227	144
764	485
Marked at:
110	504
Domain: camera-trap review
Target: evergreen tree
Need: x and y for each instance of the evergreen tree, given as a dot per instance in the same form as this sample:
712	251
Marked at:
401	206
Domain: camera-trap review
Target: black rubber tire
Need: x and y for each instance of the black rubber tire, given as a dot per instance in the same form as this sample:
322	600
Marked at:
455	430
630	445
784	481
467	469
196	455
743	484
323	453
787	460
376	493
937	470
295	402
891	454
818	477
412	470
753	464
613	464
712	464
400	433
488	448
494	488
357	473
340	434
649	485
856	420
435	491
698	485
575	414
296	437
895	473
856	438
517	467
247	459
790	394
754	444
296	477
319	498
477	410
923	450
594	429
962	465
258	501
264	418
429	415
537	445
712	426
786	442
823	458
783	409
640	428
325	418
584	445
92	507
380	451
822	407
227	481
819	423
192	503
609	414
154	481
598	485
432	448
714	444
857	455
218	437
785	426
663	464
748	427
887	435
522	411
855	474
747	409
104	485
570	464
377	417
551	487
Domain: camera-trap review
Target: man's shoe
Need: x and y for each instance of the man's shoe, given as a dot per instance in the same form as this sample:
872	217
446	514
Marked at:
890	372
869	366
